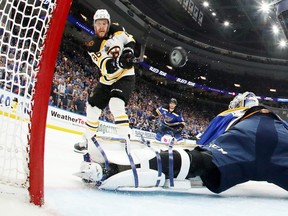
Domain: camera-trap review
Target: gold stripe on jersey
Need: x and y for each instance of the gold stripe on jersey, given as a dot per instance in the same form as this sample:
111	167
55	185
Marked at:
121	118
232	110
101	63
123	124
130	37
171	113
175	114
158	112
103	79
118	33
93	124
102	44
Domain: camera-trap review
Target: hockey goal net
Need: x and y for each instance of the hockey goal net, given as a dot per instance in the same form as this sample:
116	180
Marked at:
30	35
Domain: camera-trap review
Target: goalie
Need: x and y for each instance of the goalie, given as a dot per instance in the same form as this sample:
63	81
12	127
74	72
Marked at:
112	51
254	148
225	120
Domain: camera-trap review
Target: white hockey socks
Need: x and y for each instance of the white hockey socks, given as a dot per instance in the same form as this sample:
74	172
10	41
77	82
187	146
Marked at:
92	122
117	108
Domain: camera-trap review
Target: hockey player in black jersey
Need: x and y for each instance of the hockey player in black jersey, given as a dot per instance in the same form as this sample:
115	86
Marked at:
111	50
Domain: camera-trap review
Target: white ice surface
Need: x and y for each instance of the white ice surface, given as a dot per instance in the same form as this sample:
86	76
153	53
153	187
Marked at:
66	195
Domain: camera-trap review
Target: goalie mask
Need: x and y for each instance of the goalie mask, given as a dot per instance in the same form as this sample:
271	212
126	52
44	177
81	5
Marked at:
247	99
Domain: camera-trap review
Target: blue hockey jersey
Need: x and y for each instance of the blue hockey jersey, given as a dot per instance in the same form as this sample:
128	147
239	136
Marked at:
170	119
220	124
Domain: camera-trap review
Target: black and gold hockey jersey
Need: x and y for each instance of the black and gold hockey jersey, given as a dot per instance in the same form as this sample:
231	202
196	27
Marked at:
100	51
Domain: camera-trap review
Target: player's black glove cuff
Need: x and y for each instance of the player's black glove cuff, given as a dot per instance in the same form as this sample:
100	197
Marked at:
125	60
151	118
179	128
111	65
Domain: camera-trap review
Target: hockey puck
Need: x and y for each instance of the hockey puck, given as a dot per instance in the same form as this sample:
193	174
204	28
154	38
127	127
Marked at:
178	57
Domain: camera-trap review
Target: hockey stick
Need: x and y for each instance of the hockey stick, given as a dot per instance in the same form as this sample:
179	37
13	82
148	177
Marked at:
144	38
173	130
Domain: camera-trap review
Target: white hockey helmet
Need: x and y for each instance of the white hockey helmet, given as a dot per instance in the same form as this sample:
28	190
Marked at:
102	14
247	99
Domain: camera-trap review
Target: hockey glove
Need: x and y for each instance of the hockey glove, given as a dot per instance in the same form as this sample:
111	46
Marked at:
151	118
125	60
113	47
179	128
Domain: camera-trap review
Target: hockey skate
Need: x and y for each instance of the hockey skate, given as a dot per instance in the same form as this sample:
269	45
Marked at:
81	147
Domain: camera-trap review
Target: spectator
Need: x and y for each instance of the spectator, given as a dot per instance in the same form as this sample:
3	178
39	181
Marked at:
79	105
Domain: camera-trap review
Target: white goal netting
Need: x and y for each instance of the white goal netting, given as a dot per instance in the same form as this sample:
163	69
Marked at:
23	27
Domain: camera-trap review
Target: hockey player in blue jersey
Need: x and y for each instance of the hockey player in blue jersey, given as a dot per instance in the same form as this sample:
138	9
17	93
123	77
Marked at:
224	120
172	121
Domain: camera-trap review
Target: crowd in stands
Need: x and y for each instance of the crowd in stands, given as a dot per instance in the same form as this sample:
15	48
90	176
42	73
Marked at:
194	71
75	77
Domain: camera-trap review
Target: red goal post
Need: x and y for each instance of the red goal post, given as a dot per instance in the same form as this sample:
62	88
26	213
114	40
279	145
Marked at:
31	32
